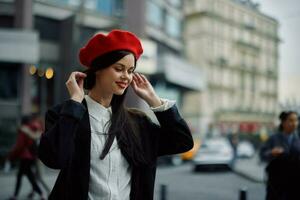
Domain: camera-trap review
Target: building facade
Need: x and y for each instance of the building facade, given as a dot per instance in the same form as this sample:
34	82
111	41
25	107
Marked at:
161	23
237	47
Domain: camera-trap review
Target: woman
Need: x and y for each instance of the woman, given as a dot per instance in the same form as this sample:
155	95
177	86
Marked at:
103	149
282	152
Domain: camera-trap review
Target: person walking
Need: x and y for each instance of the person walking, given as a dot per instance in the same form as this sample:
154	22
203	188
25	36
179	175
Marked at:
25	150
282	152
37	122
105	150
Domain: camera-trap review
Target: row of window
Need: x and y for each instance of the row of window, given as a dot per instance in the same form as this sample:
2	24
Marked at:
105	7
237	56
162	19
238	81
242	101
228	10
156	14
174	3
235	33
225	42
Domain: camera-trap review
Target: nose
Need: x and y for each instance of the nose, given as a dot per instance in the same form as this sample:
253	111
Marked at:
125	76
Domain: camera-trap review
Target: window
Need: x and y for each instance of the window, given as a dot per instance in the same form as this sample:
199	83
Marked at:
111	7
154	14
48	28
9	81
175	3
104	7
6	21
73	2
173	26
91	4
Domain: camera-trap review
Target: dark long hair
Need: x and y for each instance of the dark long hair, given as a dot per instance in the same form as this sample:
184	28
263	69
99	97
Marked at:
122	123
284	115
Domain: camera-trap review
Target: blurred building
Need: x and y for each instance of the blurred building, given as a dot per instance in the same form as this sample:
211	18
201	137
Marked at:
236	45
160	23
39	42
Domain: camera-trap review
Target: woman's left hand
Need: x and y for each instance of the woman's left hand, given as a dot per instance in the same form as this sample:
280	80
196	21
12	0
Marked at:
143	88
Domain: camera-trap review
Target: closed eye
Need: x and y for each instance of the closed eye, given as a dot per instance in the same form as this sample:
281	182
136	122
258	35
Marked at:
120	67
130	71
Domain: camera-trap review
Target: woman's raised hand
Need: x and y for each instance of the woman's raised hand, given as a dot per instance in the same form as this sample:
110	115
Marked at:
75	86
143	88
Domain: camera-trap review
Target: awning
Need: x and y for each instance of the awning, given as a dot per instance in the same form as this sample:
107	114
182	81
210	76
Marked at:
19	46
180	72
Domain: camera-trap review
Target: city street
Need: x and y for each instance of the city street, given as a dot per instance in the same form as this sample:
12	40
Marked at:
182	183
84	79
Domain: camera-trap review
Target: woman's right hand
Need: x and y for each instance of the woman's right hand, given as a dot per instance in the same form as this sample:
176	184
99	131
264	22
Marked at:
75	86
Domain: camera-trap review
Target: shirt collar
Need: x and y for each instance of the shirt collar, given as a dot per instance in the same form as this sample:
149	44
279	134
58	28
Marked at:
97	110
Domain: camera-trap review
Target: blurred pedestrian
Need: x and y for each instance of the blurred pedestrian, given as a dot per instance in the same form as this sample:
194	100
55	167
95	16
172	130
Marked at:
38	166
104	149
25	149
282	152
234	141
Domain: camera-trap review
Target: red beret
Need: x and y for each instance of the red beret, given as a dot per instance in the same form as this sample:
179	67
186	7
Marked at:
100	44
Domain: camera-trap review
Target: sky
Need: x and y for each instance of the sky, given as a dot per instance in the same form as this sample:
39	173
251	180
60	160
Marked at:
287	12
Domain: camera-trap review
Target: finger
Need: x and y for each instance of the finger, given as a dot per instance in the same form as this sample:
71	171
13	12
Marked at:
135	78
144	78
133	84
80	83
80	75
71	77
139	78
75	79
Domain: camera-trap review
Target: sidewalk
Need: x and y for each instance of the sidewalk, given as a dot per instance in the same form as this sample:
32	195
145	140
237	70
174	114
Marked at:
251	169
8	181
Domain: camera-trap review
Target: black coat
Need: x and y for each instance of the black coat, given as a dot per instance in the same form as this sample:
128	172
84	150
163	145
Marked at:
283	171
65	145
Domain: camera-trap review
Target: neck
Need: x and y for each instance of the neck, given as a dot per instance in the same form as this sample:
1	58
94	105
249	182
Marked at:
101	97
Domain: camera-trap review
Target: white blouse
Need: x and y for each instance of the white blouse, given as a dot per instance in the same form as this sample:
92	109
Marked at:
110	178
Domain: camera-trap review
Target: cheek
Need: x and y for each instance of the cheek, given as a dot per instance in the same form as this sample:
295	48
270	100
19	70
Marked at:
130	78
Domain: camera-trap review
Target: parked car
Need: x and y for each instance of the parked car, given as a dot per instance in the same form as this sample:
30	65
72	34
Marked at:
189	155
245	150
214	153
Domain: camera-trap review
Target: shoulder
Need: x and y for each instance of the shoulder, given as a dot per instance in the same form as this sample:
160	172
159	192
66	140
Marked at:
54	110
67	107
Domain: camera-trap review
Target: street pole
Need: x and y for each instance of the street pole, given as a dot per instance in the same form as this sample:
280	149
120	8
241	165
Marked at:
163	192
243	193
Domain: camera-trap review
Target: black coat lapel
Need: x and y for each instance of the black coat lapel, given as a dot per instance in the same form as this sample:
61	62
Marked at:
82	154
84	135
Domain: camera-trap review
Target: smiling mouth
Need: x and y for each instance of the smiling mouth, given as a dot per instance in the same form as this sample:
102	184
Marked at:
122	85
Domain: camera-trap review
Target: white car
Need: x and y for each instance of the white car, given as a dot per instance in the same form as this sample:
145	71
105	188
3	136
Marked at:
245	150
215	152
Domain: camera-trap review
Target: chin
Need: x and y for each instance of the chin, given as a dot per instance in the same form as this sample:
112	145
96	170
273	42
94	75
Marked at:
119	92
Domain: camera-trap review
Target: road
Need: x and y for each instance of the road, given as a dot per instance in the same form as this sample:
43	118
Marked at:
182	184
